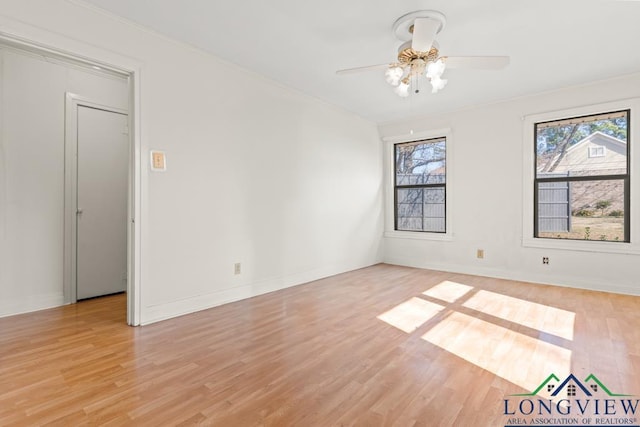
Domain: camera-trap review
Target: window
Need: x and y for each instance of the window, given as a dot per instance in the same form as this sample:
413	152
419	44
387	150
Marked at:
420	185
598	151
578	196
571	390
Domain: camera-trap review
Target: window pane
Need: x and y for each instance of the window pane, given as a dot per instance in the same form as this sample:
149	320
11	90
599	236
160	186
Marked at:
584	210
421	162
421	209
595	145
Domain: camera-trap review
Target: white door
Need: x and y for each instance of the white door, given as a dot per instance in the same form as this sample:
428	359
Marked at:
102	182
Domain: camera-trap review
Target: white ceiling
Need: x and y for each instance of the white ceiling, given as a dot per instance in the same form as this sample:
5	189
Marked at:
301	43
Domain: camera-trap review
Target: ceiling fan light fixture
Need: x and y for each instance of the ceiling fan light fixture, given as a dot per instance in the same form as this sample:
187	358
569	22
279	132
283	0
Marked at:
393	75
402	90
437	83
435	69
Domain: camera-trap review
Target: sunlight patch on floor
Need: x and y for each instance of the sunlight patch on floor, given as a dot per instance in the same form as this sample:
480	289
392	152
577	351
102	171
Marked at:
541	317
501	350
448	291
411	314
506	353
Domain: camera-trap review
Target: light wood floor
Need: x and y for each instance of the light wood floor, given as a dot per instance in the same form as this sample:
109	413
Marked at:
380	346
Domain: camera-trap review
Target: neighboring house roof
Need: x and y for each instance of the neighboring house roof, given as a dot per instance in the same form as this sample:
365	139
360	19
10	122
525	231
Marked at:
578	157
600	139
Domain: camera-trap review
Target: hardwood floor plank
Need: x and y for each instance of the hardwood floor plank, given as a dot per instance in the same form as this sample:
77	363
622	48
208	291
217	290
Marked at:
380	346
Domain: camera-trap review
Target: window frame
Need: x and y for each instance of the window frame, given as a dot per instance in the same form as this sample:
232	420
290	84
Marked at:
632	183
397	186
625	178
390	199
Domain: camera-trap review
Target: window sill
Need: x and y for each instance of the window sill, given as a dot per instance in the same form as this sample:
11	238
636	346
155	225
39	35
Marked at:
584	246
418	235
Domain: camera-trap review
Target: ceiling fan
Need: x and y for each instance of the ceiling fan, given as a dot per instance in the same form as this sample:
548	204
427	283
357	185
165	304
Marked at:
419	55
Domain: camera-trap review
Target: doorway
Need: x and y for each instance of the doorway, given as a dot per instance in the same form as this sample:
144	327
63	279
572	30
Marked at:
60	197
100	145
26	156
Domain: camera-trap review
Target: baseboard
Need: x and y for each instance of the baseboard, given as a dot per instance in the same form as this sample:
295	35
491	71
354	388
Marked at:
22	305
544	279
156	313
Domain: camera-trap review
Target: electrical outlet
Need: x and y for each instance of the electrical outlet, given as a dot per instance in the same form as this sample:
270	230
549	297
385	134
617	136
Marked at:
237	268
545	260
480	253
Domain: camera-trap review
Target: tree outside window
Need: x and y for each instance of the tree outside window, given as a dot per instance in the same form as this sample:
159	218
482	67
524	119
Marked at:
420	185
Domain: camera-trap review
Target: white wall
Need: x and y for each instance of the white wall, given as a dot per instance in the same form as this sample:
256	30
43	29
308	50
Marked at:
32	109
258	174
487	205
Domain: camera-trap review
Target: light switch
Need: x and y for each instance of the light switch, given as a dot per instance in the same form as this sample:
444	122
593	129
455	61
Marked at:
158	161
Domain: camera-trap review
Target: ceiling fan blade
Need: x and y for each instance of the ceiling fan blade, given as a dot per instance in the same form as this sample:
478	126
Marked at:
477	62
362	69
424	33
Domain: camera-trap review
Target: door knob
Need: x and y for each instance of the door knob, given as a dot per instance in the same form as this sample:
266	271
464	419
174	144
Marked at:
79	211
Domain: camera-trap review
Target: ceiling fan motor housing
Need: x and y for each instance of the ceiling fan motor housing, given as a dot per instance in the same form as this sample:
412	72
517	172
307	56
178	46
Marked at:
406	54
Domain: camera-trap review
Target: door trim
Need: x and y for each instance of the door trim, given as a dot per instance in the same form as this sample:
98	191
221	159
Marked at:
40	41
72	103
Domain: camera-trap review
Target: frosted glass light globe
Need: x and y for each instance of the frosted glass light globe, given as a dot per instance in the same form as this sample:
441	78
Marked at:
393	75
437	83
402	90
435	69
